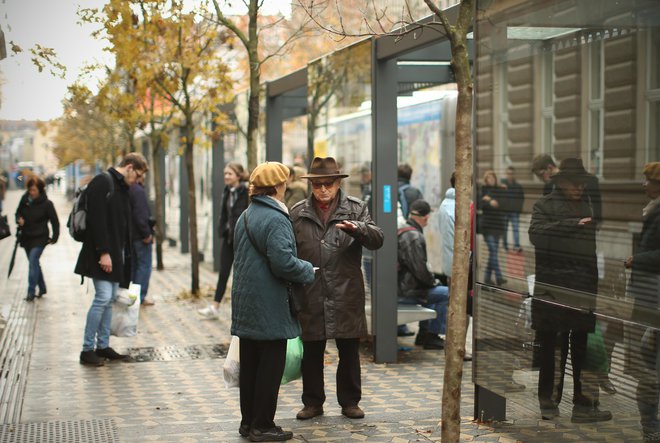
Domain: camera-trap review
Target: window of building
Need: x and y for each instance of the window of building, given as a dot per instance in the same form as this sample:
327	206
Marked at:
653	96
547	106
595	104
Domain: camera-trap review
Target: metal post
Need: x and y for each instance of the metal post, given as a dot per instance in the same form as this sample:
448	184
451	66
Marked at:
384	197
218	184
184	206
274	114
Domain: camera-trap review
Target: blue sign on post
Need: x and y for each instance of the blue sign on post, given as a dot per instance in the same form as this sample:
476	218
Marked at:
387	199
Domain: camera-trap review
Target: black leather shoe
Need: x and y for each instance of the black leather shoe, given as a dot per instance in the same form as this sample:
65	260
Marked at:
309	412
110	354
421	337
244	430
403	331
29	297
90	358
352	412
273	434
588	414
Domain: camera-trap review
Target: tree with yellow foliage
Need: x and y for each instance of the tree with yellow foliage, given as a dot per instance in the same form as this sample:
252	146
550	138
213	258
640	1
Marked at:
173	61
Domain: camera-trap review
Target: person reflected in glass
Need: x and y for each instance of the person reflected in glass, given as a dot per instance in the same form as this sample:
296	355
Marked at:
512	204
266	263
492	225
643	349
563	233
33	214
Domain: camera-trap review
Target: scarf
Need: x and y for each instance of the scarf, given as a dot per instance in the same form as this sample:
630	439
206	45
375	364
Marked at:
650	207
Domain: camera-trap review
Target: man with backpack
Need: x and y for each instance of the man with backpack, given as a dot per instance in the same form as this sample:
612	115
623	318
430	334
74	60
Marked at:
407	193
106	251
416	283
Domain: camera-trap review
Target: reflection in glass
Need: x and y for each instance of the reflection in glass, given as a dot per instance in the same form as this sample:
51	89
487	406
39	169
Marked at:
339	110
588	90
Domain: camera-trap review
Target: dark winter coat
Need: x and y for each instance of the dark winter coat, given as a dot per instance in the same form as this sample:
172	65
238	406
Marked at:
108	230
644	289
229	216
514	197
259	296
566	269
492	220
414	277
591	192
140	214
334	303
37	214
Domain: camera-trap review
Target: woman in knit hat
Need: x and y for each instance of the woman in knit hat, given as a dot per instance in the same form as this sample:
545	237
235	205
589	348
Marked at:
643	344
265	262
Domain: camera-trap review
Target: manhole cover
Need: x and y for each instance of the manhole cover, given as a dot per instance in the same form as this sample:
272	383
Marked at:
173	353
93	431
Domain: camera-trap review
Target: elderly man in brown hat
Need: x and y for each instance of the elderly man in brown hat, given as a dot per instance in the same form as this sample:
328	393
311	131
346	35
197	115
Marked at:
643	347
331	229
563	232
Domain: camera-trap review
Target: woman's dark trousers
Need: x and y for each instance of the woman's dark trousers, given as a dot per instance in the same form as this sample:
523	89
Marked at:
552	357
261	370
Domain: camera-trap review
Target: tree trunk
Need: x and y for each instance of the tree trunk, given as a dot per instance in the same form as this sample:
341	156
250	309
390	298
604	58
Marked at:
457	314
192	216
160	210
255	87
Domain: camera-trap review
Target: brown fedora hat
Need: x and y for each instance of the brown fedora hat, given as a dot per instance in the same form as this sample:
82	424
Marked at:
324	167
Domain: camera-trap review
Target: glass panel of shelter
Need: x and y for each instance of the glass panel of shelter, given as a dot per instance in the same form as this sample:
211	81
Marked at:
575	272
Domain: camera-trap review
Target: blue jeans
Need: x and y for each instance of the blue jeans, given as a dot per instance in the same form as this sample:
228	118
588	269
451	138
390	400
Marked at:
97	328
514	219
141	265
35	276
438	299
493	266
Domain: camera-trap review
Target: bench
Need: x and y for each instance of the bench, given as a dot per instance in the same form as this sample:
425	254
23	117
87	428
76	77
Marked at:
413	313
405	314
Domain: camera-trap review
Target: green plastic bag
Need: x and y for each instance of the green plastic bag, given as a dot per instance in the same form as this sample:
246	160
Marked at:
596	358
294	354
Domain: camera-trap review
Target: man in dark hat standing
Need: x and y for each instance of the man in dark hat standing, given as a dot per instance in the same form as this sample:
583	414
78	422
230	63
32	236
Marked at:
331	229
563	232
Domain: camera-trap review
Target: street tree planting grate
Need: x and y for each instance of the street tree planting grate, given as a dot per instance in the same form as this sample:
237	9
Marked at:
175	353
82	431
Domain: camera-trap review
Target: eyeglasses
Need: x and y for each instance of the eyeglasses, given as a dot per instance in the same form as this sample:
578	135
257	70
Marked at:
326	185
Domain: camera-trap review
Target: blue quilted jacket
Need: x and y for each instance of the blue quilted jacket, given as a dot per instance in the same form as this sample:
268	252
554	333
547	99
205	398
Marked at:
259	299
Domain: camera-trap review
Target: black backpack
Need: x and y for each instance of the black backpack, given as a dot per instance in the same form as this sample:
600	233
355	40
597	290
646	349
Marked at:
77	222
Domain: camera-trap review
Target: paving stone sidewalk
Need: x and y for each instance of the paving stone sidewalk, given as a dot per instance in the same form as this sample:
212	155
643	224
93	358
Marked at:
173	390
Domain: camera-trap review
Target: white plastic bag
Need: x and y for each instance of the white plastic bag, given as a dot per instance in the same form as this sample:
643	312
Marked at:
231	368
125	312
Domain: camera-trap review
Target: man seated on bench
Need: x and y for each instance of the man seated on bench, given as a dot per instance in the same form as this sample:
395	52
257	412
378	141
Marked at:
417	285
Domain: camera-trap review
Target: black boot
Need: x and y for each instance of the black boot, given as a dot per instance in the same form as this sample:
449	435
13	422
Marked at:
90	358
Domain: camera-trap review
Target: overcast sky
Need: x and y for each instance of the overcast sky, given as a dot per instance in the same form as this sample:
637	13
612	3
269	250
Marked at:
30	95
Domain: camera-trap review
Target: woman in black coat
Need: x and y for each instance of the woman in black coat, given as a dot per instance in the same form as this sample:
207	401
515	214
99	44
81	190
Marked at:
492	224
33	214
563	232
234	202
